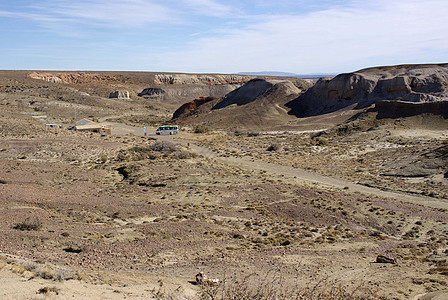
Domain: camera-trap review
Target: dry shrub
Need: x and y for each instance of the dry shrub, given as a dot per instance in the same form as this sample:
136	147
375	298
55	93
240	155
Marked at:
184	155
29	224
2	262
47	290
201	129
273	147
254	287
321	141
43	270
163	146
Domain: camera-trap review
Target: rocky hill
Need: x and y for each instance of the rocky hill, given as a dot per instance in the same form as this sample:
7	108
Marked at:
259	104
408	83
188	107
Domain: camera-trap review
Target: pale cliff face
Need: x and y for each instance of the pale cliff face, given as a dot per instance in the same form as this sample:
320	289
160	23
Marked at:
366	87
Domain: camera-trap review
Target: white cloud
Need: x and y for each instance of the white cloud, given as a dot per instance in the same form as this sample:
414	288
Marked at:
113	13
210	8
337	39
94	13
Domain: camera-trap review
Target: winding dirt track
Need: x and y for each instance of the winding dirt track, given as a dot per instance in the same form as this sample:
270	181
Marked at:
295	175
304	177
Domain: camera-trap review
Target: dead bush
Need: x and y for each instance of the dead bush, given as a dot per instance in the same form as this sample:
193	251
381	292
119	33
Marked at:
201	129
44	270
163	146
273	147
255	287
185	155
30	224
321	141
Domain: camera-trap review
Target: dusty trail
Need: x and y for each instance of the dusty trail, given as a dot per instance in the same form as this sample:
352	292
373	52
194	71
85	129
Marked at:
300	176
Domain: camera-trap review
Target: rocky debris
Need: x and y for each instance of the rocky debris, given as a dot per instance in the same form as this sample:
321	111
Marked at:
73	249
409	83
385	260
436	258
78	77
201	279
152	92
119	94
427	164
190	106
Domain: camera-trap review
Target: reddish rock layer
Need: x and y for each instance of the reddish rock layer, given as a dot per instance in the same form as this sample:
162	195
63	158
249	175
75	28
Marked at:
190	106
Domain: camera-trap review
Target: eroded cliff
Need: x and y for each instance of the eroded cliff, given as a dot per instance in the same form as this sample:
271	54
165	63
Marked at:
409	83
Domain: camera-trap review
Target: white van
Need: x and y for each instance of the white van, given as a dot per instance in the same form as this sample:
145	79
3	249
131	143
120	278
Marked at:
167	129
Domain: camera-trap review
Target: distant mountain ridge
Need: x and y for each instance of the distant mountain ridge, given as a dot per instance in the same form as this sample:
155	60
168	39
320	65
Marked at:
286	74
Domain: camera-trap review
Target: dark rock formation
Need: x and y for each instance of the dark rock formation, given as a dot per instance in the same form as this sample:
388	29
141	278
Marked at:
403	109
409	83
152	92
190	106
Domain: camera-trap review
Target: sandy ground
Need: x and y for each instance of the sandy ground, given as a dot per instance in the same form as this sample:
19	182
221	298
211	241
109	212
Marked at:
127	216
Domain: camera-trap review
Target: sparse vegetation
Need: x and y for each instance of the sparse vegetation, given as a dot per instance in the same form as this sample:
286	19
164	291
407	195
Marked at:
163	146
273	147
43	270
30	223
201	129
274	287
150	209
321	141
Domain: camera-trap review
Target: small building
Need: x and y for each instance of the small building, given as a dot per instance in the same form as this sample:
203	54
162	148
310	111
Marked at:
91	126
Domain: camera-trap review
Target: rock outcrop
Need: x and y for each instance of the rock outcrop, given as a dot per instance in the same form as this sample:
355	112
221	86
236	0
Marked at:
75	77
164	79
409	83
190	106
152	92
119	94
188	86
403	109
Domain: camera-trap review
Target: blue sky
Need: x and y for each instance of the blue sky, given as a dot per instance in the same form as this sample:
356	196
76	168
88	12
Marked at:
217	36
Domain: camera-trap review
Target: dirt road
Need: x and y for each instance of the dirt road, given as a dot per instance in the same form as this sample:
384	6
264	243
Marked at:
300	176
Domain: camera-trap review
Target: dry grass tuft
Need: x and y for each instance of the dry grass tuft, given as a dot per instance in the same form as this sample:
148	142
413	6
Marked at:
30	224
254	287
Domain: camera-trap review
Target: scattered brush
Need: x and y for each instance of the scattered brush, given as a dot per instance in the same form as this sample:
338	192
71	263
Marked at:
254	287
30	224
42	270
273	147
163	146
201	129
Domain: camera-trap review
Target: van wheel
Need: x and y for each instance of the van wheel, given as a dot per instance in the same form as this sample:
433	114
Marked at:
171	133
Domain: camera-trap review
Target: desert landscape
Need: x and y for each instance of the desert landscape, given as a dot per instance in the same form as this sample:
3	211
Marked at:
277	187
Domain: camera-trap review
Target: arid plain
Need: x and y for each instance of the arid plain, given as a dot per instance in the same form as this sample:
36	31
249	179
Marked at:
274	196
